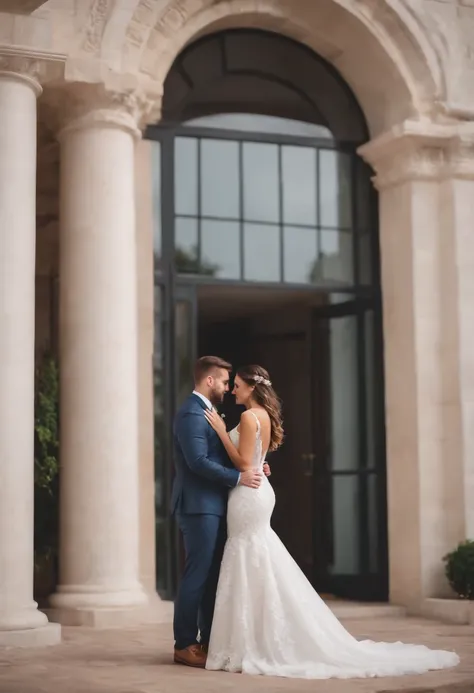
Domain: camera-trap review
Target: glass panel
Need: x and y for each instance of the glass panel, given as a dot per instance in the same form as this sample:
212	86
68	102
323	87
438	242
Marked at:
186	176
334	298
337	256
345	516
373	523
186	249
220	179
301	254
184	348
335	190
156	201
250	122
299	185
344	426
371	461
161	512
262	253
365	258
220	254
261	187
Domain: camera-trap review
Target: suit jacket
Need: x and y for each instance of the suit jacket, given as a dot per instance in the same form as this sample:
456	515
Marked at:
204	472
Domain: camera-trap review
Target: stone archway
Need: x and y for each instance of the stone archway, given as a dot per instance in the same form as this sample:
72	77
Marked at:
397	75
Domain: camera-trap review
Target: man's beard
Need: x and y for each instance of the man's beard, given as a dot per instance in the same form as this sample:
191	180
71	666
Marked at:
216	397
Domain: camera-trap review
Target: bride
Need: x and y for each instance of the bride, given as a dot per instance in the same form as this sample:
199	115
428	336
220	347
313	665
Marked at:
268	619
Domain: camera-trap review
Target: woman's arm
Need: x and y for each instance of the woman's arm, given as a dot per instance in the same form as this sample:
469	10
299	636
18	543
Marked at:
241	457
191	434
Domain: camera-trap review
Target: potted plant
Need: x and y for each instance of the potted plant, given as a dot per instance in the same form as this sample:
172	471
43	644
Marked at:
459	566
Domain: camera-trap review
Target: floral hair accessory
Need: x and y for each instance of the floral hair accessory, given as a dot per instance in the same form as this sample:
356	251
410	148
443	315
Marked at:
261	380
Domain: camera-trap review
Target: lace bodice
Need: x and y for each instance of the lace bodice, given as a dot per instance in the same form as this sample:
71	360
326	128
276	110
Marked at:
258	456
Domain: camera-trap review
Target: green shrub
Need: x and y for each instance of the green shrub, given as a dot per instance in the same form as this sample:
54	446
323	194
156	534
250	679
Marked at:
46	457
459	566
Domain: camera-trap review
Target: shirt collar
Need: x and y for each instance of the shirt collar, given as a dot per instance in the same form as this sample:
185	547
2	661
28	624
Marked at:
204	399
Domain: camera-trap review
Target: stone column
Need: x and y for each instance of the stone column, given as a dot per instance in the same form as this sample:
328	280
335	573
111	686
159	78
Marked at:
457	214
20	621
144	205
99	549
410	164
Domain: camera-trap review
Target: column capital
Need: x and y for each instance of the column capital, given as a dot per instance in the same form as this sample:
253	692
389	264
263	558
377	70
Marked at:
22	68
422	151
78	106
36	68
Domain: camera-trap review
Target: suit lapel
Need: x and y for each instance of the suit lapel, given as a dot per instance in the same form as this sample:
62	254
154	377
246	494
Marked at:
201	402
211	432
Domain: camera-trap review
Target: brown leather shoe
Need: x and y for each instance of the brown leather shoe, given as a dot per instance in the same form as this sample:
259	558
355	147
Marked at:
192	656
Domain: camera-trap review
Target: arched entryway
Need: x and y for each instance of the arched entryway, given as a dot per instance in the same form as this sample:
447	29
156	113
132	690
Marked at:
266	249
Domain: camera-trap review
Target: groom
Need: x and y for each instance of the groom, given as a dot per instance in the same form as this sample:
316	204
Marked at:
204	476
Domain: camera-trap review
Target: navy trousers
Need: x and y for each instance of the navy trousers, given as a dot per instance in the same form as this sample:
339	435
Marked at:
204	540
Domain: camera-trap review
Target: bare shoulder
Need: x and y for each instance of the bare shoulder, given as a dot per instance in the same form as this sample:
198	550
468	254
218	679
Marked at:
247	418
261	415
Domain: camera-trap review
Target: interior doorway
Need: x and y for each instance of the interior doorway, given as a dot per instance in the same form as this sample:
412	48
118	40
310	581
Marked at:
328	477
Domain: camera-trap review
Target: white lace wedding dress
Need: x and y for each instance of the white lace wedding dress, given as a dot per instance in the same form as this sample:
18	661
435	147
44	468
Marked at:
269	620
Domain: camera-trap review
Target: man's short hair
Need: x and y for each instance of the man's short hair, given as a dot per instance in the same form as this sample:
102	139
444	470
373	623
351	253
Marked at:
207	365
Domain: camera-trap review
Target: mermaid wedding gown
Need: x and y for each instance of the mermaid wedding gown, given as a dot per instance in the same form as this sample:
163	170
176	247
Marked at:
269	620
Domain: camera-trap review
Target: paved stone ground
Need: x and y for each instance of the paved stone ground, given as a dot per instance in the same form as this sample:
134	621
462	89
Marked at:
138	660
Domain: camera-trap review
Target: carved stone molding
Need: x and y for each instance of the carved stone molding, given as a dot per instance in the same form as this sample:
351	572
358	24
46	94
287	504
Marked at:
77	106
422	151
141	21
99	14
461	156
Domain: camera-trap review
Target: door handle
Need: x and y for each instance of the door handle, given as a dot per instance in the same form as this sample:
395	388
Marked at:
308	462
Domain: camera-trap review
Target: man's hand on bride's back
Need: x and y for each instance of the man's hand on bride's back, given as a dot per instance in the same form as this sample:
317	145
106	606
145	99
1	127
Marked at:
266	469
251	478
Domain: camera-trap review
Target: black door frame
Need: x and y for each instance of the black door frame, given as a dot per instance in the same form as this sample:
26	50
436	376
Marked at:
172	284
366	585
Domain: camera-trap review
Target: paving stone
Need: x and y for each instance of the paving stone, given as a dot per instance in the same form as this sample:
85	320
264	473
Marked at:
139	660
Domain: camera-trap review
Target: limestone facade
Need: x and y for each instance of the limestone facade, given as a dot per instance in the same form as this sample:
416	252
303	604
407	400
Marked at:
78	83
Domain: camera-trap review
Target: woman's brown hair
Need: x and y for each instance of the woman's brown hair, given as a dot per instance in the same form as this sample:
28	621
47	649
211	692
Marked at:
266	397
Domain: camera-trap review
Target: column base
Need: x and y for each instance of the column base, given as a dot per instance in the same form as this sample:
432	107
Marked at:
44	636
158	610
72	597
153	611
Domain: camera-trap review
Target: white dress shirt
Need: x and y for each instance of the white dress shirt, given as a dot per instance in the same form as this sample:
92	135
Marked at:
204	399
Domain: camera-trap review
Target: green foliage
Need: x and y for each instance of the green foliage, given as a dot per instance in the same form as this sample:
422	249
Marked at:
459	566
47	424
46	457
188	263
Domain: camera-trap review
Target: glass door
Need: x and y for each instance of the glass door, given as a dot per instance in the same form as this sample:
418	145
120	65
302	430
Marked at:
173	361
346	461
162	444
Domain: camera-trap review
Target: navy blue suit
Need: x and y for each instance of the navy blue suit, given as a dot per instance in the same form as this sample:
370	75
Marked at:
204	475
